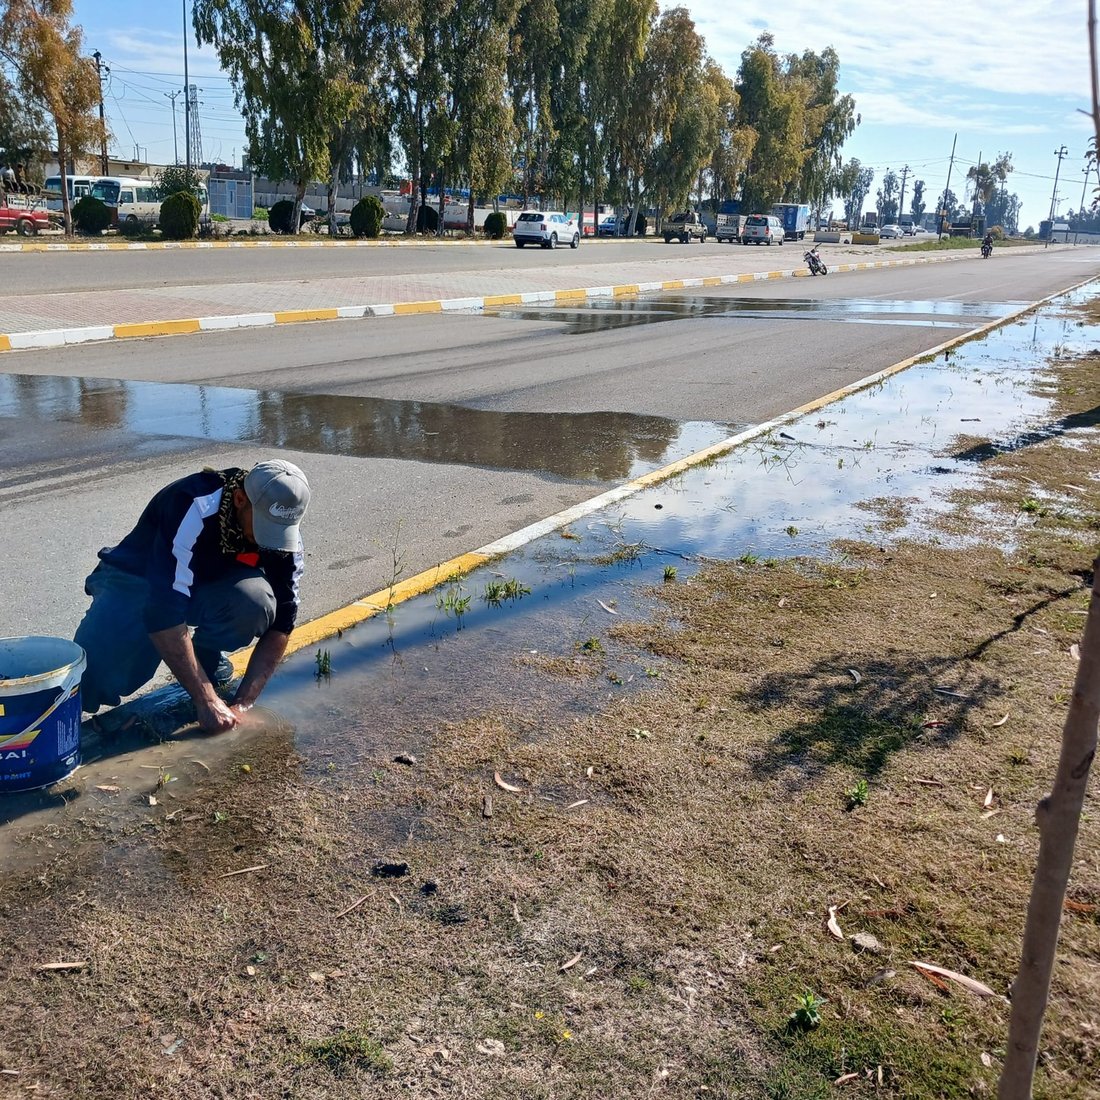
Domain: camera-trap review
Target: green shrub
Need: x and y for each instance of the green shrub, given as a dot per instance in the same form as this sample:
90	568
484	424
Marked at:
178	177
997	232
91	216
496	225
260	213
427	219
179	216
131	227
366	217
278	217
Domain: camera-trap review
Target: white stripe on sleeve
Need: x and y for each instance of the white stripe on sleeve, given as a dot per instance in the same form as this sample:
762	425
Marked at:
183	544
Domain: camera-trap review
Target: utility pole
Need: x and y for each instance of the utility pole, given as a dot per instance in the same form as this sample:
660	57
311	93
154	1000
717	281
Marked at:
186	96
1084	187
175	146
103	167
901	202
946	188
1059	153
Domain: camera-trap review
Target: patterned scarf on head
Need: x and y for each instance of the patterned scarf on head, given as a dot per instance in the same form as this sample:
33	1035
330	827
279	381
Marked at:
233	541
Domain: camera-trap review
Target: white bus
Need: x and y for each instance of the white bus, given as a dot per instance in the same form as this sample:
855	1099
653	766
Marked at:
78	187
134	200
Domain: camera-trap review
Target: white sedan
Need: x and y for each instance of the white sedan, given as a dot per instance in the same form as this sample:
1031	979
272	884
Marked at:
547	228
891	231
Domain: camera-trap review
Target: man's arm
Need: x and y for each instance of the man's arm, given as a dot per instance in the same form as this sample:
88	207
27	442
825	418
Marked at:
175	649
265	659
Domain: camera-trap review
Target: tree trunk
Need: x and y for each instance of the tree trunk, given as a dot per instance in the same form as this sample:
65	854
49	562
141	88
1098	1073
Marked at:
296	213
333	188
1058	817
66	206
470	211
442	203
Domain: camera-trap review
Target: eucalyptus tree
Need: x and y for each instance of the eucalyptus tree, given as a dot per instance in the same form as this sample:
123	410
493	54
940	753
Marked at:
853	183
775	107
47	54
830	119
888	198
24	127
287	64
917	204
733	142
532	58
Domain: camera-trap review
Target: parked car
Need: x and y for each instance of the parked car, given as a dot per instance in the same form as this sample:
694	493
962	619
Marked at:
586	227
893	231
684	226
762	229
608	227
547	228
911	229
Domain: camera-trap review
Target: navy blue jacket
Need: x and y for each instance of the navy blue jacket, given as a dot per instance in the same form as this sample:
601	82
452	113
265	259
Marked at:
177	545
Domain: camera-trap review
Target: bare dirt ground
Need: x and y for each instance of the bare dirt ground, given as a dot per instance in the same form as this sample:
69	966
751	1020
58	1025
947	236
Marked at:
644	914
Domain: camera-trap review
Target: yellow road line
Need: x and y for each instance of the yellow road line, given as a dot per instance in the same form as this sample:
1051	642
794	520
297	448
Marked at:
291	316
503	300
403	308
157	328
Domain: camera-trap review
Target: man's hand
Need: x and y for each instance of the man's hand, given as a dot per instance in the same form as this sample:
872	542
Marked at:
265	659
175	649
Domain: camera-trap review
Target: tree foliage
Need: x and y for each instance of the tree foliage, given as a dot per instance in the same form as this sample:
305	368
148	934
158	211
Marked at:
853	185
888	199
55	76
917	204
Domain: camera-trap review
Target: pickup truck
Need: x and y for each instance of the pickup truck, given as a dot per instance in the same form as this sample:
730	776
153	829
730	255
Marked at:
683	227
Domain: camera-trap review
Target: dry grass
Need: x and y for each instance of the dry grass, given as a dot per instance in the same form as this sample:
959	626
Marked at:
693	878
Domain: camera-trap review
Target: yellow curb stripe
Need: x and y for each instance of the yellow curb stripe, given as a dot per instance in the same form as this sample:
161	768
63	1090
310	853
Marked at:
570	295
157	328
290	316
5	343
673	284
775	274
327	626
503	300
749	277
625	290
713	280
403	308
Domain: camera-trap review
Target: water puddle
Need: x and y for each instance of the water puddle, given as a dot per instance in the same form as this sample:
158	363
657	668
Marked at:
468	649
602	314
577	446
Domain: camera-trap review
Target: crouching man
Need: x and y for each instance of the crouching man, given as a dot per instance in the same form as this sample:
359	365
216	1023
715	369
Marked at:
219	551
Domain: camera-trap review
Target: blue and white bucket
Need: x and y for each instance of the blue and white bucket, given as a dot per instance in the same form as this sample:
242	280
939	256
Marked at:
39	711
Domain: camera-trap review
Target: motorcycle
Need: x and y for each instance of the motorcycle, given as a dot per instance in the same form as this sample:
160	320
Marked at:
987	250
815	263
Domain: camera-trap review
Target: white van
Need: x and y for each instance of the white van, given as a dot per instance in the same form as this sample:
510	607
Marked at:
135	200
78	187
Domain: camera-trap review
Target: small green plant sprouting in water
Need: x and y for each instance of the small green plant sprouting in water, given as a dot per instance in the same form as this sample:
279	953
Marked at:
748	558
592	645
807	1015
792	531
1029	505
857	795
670	573
453	602
324	664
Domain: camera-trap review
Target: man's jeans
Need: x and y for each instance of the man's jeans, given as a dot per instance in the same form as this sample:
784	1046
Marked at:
226	614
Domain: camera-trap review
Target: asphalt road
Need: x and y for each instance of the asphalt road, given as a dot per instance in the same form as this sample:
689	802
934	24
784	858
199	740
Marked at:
428	436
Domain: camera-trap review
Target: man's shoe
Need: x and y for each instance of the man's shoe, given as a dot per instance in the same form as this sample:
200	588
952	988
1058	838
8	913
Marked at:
217	666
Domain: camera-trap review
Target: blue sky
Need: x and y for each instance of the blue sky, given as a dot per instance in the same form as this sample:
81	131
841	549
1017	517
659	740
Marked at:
1008	78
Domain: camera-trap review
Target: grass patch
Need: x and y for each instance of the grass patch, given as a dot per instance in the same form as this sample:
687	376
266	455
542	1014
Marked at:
649	903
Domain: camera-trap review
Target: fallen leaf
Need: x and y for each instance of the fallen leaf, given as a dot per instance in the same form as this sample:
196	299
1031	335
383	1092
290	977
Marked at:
989	813
988	798
854	675
250	971
845	1078
782	601
108	787
775	947
571	962
1080	906
1075	651
506	786
987	1061
933	725
1000	723
579	802
589	772
487	806
832	924
609	610
1001	838
493	1047
967	983
316	976
63	965
948	691
152	799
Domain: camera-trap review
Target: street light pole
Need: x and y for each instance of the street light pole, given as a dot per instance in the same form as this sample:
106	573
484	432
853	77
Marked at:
175	144
102	121
186	96
1059	153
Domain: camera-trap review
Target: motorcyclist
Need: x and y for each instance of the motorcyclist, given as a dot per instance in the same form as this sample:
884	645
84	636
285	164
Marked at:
987	243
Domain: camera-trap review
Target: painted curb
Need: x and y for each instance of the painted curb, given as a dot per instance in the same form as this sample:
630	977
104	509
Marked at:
52	338
326	626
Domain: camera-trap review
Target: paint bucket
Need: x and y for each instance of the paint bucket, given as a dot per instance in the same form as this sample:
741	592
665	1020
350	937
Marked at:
39	711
